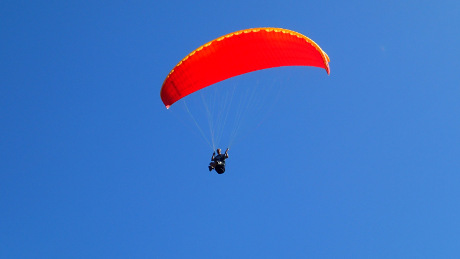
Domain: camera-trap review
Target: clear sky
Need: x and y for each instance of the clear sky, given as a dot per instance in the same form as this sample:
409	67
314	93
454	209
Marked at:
363	163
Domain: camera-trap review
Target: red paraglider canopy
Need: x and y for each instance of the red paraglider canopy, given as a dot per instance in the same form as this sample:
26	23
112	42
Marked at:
238	53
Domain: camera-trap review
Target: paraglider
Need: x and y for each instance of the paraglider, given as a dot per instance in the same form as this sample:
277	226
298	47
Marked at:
238	53
218	161
235	54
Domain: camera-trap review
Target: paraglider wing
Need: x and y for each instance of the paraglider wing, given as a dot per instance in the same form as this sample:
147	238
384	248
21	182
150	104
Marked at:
238	53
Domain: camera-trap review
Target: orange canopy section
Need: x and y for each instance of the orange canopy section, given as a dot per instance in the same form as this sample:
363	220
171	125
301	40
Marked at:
238	53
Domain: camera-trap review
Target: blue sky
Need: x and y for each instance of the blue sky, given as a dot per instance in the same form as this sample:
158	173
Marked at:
359	164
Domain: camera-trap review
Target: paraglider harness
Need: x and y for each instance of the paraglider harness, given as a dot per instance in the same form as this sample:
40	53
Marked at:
220	164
